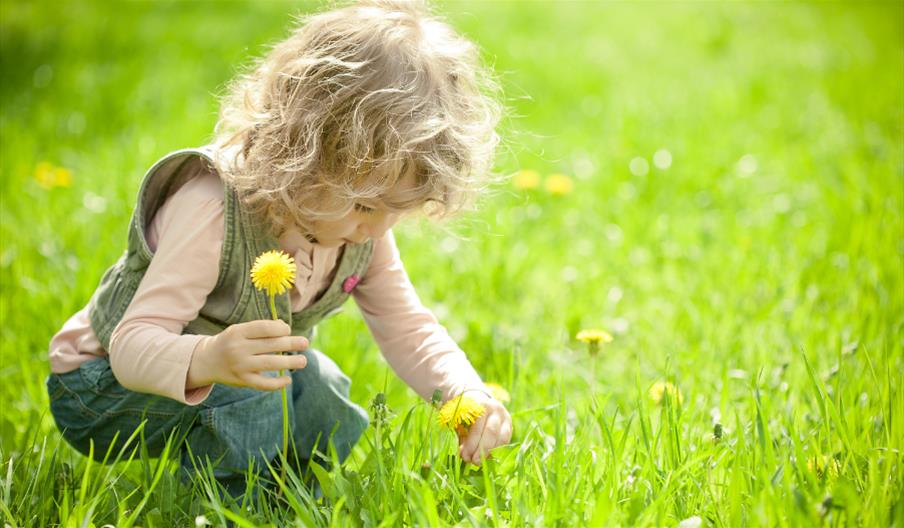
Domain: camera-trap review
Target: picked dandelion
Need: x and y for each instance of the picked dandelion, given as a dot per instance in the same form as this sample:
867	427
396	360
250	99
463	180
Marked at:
459	413
664	389
498	392
274	272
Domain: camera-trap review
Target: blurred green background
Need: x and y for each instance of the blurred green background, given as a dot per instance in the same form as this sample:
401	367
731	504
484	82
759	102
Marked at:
737	202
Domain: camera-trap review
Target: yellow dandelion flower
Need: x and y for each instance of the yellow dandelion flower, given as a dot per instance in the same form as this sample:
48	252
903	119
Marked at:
823	466
498	392
526	179
62	177
49	175
459	413
661	389
44	174
594	335
273	271
559	184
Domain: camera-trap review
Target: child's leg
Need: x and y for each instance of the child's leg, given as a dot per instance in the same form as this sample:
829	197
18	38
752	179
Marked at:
90	406
320	392
230	428
233	427
238	427
242	424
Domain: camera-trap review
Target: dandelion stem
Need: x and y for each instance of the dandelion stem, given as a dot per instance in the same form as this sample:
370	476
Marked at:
285	402
274	271
273	314
593	374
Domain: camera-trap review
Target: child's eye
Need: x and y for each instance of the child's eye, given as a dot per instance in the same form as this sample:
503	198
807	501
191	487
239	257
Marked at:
364	209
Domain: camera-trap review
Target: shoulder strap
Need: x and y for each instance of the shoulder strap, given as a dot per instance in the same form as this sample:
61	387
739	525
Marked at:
167	173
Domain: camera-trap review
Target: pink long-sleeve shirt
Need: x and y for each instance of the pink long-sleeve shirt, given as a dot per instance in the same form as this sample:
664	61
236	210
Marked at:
148	352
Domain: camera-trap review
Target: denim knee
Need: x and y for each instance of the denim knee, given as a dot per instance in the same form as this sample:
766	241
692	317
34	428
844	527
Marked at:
238	427
323	409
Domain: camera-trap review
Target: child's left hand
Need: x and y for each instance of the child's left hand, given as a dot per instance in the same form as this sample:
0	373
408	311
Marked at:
492	429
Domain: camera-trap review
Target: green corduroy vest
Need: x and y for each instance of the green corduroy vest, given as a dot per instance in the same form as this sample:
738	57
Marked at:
234	299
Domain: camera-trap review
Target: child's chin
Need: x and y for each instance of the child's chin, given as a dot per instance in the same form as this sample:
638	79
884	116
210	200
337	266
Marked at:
330	242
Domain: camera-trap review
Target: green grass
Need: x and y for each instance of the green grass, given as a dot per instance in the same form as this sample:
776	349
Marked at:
762	272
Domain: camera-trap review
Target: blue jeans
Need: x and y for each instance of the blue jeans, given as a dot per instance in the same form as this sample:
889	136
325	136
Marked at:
232	427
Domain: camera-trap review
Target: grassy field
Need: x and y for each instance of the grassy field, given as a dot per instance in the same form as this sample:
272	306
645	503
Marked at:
736	221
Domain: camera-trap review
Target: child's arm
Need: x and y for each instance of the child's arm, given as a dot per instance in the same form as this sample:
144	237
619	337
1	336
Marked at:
147	351
415	345
420	350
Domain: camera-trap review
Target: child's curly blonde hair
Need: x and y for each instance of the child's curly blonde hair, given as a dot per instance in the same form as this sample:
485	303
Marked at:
352	101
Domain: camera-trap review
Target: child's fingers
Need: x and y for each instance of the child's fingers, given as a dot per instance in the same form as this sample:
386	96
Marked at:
269	362
262	328
469	443
505	432
259	382
479	443
491	439
268	345
476	436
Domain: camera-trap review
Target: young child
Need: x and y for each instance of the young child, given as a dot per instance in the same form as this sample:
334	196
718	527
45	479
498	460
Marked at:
363	114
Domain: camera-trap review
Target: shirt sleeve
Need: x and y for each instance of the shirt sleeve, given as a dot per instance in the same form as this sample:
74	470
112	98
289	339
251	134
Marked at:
415	345
148	352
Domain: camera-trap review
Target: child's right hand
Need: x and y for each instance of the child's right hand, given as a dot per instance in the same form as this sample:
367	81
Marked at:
239	354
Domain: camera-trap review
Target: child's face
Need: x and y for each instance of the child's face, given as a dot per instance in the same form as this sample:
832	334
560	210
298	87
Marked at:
370	219
358	226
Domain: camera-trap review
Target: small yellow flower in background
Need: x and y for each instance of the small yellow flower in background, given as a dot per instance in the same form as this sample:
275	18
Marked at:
63	177
526	179
45	174
498	392
559	184
594	337
459	413
273	271
823	466
49	175
661	389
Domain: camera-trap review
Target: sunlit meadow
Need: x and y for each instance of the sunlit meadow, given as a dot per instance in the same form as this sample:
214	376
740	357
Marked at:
717	186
